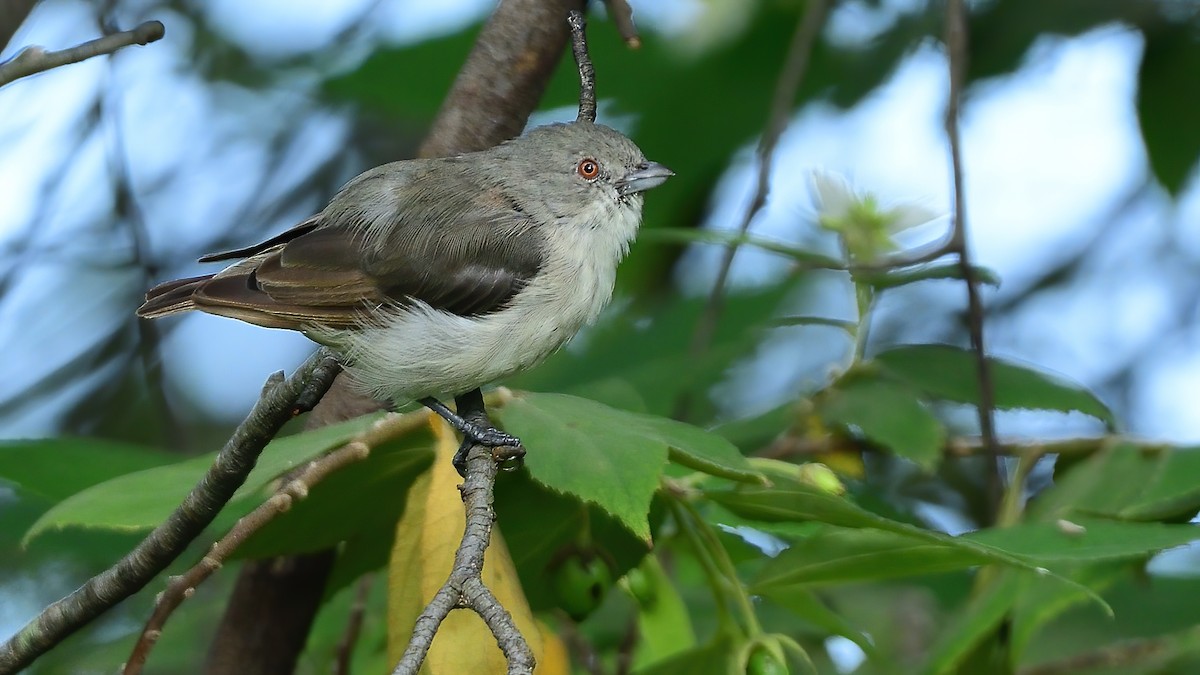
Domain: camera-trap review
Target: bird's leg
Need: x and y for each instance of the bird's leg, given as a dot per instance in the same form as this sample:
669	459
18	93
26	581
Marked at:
472	422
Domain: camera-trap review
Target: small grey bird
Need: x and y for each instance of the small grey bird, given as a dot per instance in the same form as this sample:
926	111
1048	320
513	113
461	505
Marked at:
433	277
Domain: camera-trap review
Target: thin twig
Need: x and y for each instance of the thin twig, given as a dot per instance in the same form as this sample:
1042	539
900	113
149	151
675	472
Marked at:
169	539
294	489
465	587
795	66
354	622
32	60
956	46
622	15
1121	654
587	74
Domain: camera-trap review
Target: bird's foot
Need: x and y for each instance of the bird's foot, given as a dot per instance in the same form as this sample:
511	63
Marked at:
472	422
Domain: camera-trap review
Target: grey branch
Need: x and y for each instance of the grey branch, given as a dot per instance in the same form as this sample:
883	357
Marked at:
622	15
465	587
587	74
33	60
152	555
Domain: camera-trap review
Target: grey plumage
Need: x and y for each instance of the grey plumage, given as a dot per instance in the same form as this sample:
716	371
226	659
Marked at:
436	276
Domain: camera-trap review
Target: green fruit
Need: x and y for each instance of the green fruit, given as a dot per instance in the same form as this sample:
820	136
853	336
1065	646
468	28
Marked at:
641	587
580	584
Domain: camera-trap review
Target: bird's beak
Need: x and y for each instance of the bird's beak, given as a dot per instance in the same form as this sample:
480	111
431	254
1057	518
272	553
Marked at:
647	175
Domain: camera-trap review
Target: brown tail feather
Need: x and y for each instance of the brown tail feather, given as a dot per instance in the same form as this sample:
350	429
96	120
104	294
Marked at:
171	297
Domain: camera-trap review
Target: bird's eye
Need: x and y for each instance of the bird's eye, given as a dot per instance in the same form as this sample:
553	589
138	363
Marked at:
588	168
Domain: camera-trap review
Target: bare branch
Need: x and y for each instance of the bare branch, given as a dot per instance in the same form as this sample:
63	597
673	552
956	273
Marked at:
587	74
465	587
294	489
32	60
795	66
956	46
622	15
130	574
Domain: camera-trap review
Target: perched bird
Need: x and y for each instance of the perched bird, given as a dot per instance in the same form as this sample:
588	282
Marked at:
433	277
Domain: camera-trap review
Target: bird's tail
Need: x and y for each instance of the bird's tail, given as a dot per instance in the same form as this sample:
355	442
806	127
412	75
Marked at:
171	297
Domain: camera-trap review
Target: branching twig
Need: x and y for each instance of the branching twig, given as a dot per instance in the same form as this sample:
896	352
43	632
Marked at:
32	60
786	87
294	489
956	47
465	587
587	74
1123	654
160	547
799	446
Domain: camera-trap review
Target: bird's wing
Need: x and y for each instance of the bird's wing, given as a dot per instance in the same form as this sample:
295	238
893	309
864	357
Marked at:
455	246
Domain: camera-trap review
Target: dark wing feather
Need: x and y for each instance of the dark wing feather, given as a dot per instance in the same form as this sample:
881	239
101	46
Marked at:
469	260
281	238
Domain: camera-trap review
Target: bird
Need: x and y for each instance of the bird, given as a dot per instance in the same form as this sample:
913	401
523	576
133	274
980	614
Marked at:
431	278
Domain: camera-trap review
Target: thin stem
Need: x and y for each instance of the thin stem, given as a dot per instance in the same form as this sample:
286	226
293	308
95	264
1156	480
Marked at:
33	60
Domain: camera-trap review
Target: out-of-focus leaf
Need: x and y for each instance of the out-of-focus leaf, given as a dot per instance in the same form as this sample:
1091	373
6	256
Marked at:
974	622
814	321
1167	105
664	626
852	555
1041	600
806	605
887	413
909	275
949	373
56	468
800	502
1126	482
610	457
1094	541
141	500
717	657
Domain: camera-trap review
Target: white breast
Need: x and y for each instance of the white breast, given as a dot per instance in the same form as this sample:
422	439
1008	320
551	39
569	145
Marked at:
420	351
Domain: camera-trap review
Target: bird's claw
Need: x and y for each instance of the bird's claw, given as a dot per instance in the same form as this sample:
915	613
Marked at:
507	450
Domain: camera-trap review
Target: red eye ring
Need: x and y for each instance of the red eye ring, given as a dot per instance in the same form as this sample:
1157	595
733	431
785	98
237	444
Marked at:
588	168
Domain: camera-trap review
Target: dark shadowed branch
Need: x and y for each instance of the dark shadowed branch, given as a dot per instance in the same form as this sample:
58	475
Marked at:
294	488
956	47
275	407
32	60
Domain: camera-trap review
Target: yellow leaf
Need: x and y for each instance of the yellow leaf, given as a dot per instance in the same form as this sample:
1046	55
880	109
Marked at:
427	536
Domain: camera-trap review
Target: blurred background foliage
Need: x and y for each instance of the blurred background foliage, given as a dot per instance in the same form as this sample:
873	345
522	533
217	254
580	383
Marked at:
1081	141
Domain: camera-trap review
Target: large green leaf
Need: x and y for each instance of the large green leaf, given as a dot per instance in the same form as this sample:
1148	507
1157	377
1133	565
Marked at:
803	502
979	618
1084	540
949	373
887	413
56	468
610	457
141	500
1125	481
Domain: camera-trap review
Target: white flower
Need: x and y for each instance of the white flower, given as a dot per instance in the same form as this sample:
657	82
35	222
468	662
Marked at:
866	229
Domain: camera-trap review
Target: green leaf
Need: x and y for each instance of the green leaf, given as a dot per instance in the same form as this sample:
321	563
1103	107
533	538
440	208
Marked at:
585	449
847	326
887	413
1041	601
664	625
56	468
973	623
718	656
1099	540
802	502
805	604
139	501
1125	481
853	555
1168	104
609	457
949	373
